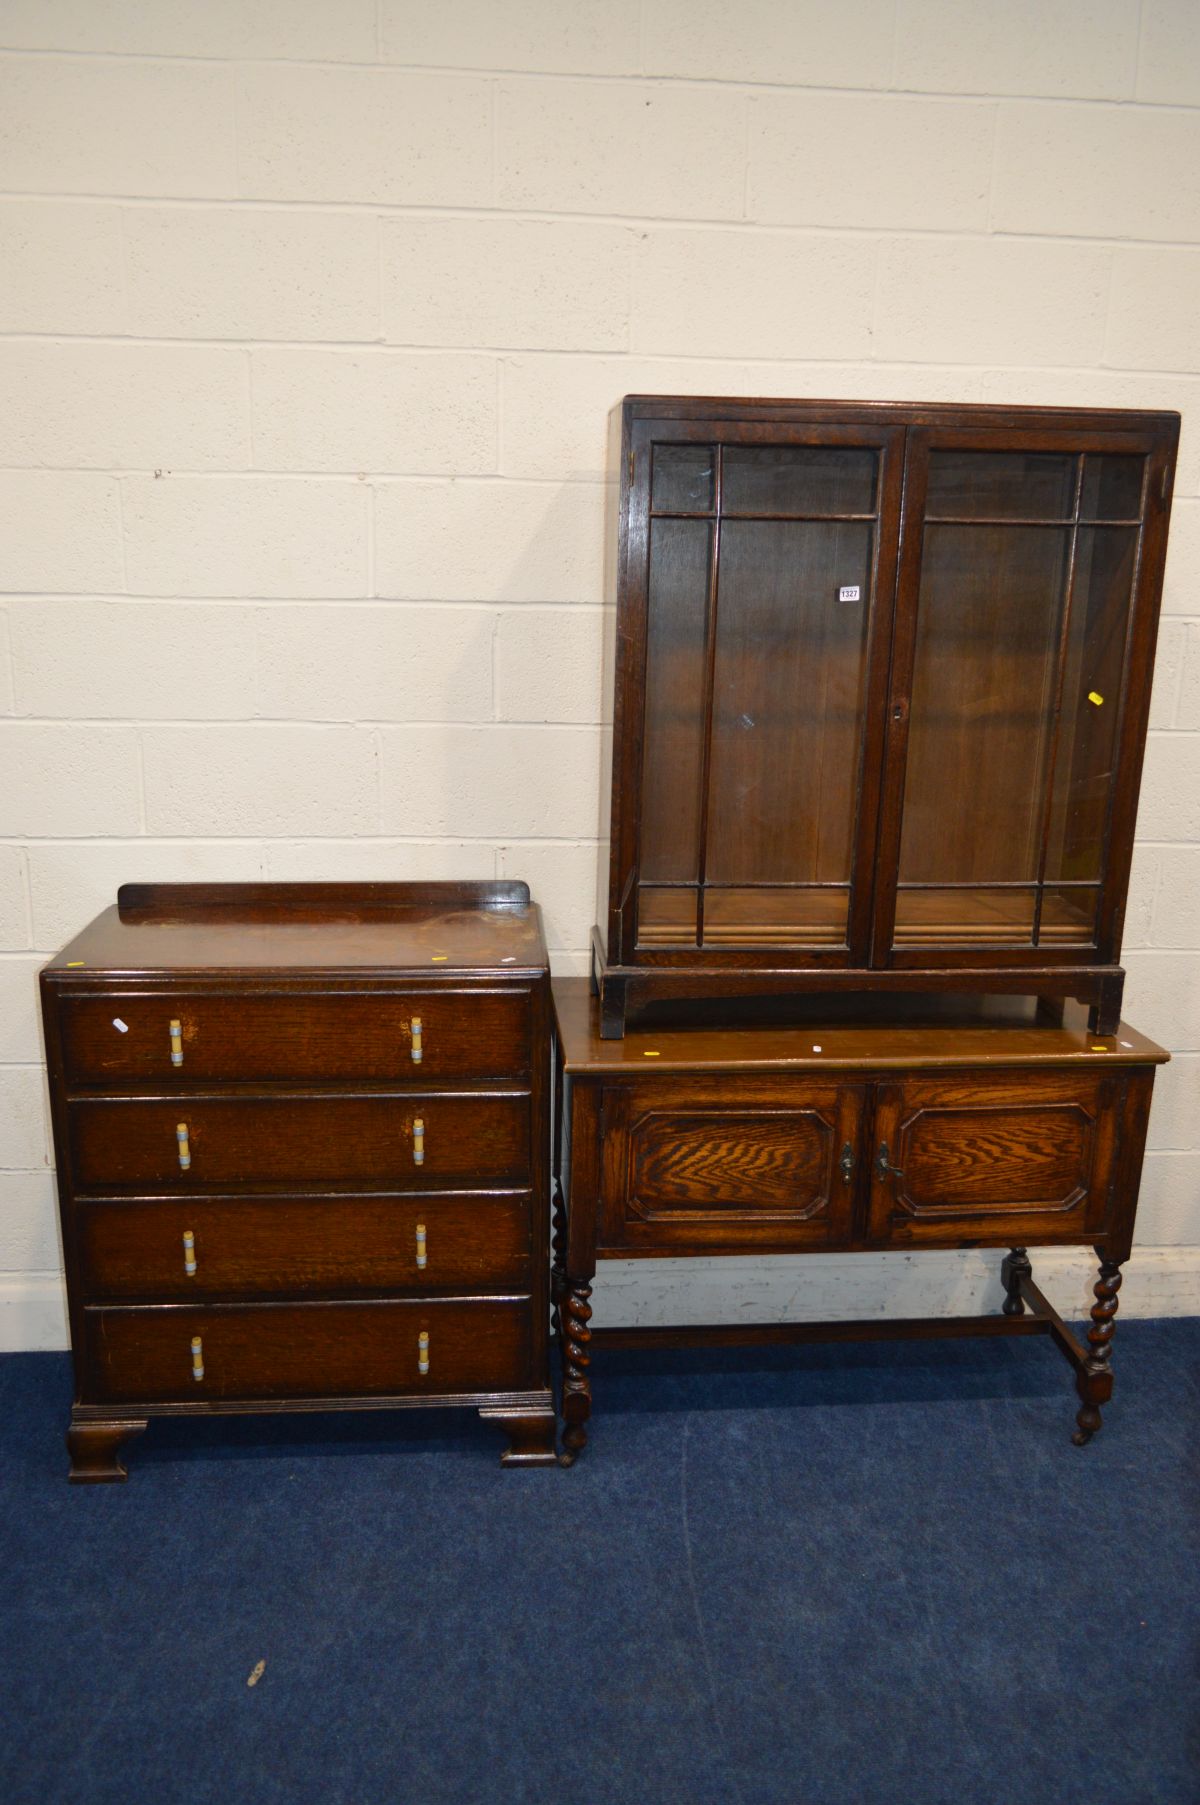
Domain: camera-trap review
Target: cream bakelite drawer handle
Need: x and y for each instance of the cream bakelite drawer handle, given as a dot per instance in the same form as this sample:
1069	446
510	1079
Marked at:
176	1043
417	1050
197	1357
422	1249
419	1141
185	1151
189	1252
423	1351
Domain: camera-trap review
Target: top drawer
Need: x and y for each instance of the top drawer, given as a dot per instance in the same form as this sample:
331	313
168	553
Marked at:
425	1036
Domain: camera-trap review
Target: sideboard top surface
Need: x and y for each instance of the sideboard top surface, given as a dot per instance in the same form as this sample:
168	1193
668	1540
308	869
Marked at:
422	929
997	1032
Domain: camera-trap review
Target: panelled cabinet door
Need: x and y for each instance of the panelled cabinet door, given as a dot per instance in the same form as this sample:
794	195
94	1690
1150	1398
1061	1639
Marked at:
720	1164
991	1159
758	571
1011	711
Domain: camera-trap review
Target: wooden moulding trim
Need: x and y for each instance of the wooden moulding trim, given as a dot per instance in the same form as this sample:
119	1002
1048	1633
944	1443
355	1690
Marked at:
481	893
785	978
500	1400
968	416
262	981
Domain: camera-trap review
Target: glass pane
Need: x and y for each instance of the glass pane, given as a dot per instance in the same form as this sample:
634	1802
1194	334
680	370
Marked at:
1069	917
674	727
666	917
681	479
788	701
1112	488
765	917
1001	485
964	917
805	479
982	702
1104	566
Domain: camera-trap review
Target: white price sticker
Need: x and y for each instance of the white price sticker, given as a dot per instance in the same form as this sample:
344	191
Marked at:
850	592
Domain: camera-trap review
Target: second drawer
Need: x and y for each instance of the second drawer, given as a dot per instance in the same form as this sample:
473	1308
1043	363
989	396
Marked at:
404	1141
253	1246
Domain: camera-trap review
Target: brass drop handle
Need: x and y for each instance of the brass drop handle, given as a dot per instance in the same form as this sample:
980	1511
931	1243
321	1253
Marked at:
197	1357
189	1252
419	1141
185	1151
417	1051
847	1163
883	1166
176	1032
423	1351
422	1250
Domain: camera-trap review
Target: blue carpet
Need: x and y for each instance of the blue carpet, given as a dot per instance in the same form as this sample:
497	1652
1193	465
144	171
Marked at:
820	1576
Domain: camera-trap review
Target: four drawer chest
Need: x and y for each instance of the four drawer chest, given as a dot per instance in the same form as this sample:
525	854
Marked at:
302	1139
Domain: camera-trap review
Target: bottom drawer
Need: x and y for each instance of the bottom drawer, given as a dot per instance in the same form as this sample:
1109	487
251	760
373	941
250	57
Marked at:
343	1350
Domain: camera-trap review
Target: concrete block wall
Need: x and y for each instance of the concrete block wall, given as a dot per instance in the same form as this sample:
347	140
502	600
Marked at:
311	315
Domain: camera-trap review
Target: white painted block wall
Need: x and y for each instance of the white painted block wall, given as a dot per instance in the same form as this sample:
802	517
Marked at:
311	315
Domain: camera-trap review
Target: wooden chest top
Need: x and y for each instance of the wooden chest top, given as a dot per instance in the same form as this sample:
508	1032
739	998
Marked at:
464	927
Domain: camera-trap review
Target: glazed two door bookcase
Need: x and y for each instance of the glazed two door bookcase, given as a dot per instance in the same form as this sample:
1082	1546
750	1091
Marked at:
882	685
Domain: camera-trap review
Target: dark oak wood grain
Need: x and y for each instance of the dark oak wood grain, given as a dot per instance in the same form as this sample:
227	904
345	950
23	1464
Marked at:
692	1164
1014	1268
95	1448
874	1036
1003	1131
271	1351
380	929
267	1200
881	692
295	1036
993	1155
1095	1375
368	1142
136	1249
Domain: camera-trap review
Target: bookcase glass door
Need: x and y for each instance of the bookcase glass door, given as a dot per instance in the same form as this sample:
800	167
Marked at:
1027	567
761	567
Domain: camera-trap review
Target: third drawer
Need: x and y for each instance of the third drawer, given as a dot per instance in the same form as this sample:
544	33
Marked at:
143	1248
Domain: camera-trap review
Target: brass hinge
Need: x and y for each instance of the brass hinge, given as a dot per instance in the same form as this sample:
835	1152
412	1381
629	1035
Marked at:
632	455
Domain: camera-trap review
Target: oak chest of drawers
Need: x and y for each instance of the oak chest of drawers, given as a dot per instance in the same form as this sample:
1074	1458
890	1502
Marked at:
302	1139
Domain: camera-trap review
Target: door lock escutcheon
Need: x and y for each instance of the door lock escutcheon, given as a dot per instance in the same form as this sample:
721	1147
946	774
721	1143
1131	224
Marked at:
884	1168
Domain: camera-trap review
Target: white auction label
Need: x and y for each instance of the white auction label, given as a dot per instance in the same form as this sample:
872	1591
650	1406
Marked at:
850	592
